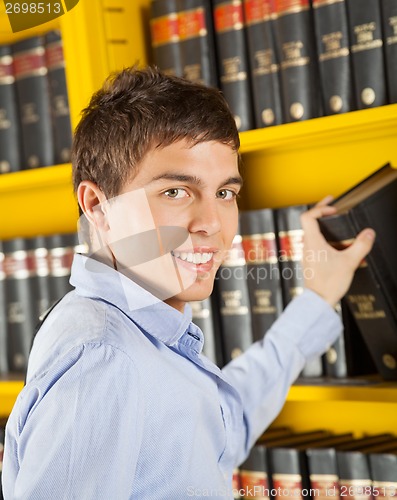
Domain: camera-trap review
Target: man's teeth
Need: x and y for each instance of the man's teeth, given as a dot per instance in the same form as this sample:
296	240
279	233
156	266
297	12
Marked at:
194	258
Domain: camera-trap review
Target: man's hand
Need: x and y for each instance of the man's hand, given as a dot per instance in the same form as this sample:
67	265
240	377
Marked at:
328	271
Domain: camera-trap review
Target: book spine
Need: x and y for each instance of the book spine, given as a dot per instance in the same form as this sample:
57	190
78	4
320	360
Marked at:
335	365
323	473
18	269
366	47
234	72
287	472
253	474
202	316
298	62
61	250
354	475
39	281
366	296
332	37
165	36
234	306
383	468
198	42
263	274
34	103
59	97
10	160
389	17
259	16
3	321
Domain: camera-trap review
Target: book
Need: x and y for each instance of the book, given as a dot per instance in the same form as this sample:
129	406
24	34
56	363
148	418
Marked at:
37	254
165	37
62	128
366	47
264	63
253	473
233	69
10	159
34	103
19	313
61	249
263	274
389	27
290	244
298	63
202	316
3	321
333	55
383	467
233	299
373	291
197	42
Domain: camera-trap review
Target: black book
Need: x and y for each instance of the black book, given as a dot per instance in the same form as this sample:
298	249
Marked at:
19	313
290	244
3	320
263	275
39	278
233	68
372	296
203	317
264	63
165	38
197	42
61	249
10	160
62	128
383	467
389	16
332	37
34	103
253	472
298	61
366	47
233	300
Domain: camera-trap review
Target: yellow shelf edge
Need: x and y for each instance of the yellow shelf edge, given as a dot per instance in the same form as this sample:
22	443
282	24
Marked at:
36	179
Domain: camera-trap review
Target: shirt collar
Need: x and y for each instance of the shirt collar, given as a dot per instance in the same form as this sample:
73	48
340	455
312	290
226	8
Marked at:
97	280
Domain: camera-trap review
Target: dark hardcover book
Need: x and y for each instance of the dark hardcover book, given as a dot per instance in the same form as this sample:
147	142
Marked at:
165	37
202	316
389	17
19	312
263	275
197	42
61	249
253	473
333	55
264	64
233	299
354	474
10	160
233	68
34	103
298	61
290	244
62	127
3	320
39	278
383	467
372	296
366	47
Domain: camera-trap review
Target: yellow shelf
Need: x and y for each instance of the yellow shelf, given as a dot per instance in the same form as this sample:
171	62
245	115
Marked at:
9	391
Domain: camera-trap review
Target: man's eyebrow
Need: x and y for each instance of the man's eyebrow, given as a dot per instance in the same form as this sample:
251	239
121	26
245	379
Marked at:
192	179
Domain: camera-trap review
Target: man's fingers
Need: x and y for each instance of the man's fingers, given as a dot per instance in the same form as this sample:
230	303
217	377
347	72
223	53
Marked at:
361	246
308	219
325	201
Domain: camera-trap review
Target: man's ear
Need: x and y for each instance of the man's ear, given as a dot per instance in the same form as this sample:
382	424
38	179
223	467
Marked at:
92	202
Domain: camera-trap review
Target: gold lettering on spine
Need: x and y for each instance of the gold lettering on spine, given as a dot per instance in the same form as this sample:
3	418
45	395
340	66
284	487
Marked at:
364	34
391	40
365	307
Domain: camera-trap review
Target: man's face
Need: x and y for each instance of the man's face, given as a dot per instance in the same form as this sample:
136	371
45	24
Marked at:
190	190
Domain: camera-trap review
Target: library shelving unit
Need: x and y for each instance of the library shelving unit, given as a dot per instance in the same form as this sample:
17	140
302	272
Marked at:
283	165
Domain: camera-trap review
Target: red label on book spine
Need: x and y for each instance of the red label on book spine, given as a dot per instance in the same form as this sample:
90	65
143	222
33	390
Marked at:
229	16
165	29
260	248
192	24
54	56
257	11
325	486
288	485
30	63
291	6
291	245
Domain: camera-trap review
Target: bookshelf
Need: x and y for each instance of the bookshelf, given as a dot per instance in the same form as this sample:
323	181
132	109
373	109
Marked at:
288	164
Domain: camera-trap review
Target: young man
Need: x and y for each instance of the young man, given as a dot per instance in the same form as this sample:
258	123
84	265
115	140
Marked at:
119	402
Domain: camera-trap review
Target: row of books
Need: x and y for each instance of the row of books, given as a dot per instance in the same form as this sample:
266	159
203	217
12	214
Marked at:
280	61
35	128
34	274
260	276
319	464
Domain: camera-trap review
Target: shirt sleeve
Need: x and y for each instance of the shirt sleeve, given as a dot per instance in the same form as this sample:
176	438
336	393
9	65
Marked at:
263	374
76	434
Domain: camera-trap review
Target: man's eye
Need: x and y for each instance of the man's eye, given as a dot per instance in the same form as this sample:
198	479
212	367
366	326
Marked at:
175	193
226	194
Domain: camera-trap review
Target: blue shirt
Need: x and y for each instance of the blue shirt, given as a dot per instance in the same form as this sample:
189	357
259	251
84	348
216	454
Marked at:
120	404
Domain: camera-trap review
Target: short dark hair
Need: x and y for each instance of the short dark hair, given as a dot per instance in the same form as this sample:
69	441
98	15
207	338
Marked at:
137	110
